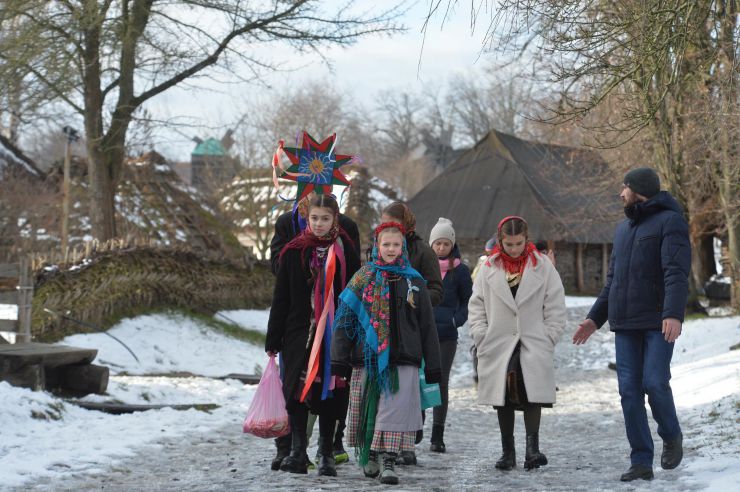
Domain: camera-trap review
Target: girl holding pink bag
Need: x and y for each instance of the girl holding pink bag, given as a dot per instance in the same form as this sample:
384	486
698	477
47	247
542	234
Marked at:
313	269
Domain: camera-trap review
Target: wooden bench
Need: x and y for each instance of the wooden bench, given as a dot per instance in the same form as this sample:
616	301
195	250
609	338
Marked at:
42	366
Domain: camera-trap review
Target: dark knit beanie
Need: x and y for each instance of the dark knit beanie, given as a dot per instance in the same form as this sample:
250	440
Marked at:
643	181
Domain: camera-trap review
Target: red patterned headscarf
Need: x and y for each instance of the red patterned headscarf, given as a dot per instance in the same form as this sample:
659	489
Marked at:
510	264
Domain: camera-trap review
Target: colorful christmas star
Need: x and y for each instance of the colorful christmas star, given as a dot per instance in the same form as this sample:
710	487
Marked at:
314	166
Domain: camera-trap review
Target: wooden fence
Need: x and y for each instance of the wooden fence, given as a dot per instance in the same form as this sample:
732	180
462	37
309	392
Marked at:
22	296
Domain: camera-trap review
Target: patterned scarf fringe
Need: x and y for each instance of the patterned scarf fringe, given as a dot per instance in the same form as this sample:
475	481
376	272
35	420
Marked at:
346	319
369	409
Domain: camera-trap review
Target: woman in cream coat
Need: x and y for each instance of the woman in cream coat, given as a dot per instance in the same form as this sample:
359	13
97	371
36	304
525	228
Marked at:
517	314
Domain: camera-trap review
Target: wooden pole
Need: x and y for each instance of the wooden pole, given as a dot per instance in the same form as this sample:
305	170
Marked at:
579	267
25	296
604	262
65	195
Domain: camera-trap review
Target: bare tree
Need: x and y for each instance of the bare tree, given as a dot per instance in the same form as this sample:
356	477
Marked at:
105	58
653	58
496	100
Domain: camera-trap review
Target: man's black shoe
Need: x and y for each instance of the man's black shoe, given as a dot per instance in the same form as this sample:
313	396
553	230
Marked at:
637	471
672	453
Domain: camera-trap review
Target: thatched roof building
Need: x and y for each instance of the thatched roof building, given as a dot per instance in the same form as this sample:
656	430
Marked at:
14	161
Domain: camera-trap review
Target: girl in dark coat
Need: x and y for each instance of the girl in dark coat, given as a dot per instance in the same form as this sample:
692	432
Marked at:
451	314
384	328
313	269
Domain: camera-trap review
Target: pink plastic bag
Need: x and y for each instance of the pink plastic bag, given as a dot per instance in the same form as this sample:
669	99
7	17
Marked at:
267	416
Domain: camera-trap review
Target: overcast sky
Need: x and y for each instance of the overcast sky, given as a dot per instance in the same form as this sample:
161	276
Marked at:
371	65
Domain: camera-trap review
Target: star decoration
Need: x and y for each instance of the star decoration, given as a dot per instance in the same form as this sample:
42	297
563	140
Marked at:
314	166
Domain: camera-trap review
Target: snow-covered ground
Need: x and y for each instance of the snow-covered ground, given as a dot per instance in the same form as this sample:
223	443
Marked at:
44	439
8	311
166	343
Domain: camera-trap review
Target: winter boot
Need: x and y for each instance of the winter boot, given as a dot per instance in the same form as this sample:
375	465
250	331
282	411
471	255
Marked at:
637	472
672	453
407	458
327	466
388	473
533	458
282	444
340	454
508	457
438	444
297	460
372	469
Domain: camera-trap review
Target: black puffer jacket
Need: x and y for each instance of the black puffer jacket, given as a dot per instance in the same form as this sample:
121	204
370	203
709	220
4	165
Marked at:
413	336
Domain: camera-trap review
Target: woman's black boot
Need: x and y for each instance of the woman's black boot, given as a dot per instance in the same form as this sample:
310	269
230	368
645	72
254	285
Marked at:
533	458
508	458
438	443
296	461
283	449
327	465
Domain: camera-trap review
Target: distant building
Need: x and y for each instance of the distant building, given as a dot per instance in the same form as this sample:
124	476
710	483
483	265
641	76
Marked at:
211	165
566	194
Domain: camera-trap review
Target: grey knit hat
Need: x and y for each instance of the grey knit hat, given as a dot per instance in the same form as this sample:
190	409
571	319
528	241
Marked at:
442	230
643	181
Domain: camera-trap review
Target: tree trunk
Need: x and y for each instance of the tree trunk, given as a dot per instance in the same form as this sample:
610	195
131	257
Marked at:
702	257
733	236
102	192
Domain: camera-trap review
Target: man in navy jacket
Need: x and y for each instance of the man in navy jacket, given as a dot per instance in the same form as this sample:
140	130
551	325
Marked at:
644	300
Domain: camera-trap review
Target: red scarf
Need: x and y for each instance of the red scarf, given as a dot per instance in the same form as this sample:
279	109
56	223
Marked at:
513	265
307	239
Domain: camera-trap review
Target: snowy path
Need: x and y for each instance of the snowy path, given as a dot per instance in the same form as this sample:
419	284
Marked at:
582	436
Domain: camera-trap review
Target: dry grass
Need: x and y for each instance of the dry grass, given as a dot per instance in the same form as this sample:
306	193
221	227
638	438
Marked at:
116	284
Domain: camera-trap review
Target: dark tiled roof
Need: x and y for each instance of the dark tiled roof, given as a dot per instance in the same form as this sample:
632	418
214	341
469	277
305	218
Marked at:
565	193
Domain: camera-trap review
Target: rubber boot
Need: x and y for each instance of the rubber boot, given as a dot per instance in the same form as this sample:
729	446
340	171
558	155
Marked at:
387	472
340	454
297	460
282	444
438	444
327	466
508	457
533	458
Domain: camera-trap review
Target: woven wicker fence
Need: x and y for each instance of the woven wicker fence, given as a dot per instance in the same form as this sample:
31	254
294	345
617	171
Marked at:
104	285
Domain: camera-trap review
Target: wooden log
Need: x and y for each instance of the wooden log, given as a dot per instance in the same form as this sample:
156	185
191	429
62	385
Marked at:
22	354
84	379
31	376
121	408
244	378
8	325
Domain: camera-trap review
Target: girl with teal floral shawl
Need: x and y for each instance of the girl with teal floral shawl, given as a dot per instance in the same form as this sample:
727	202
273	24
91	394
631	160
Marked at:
365	314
